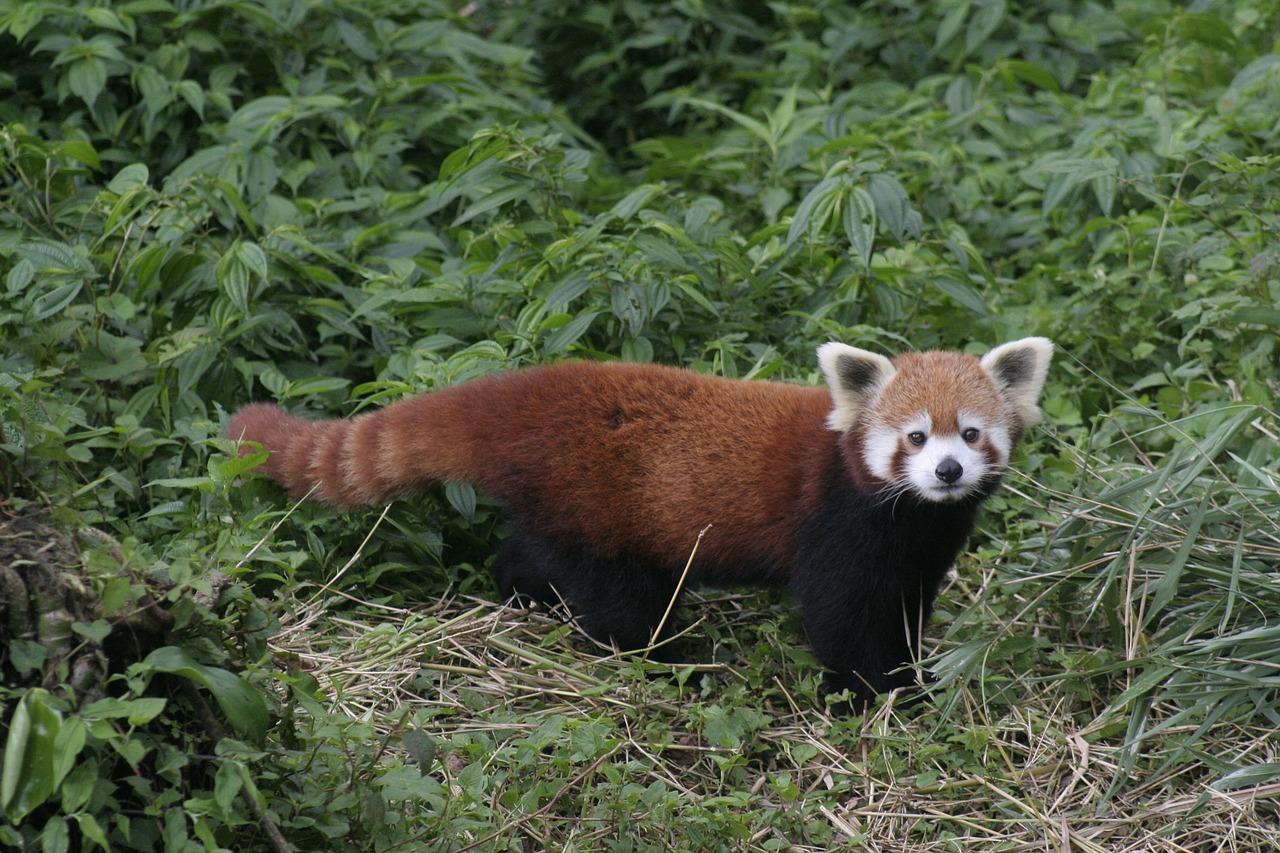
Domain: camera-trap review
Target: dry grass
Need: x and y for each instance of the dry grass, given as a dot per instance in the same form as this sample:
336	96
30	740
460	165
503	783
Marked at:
1047	781
1109	688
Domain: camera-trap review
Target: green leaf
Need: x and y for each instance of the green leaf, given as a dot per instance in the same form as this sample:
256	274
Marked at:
860	223
950	25
234	277
757	129
1208	29
82	152
634	200
462	497
558	340
1248	777
227	784
87	77
1258	71
630	303
21	275
988	17
492	201
1031	73
964	294
422	747
27	777
815	208
892	205
111	358
55	301
53	257
314	385
242	705
254	259
132	176
26	17
136	711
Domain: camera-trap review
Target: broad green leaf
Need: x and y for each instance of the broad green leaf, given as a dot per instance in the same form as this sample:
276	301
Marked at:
630	302
54	257
87	77
55	301
254	259
951	23
634	200
82	152
21	275
1257	71
134	711
462	497
757	128
815	208
156	90
111	358
1207	28
227	784
26	17
27	775
963	293
492	201
558	340
316	385
987	17
242	705
860	223
1032	73
233	276
892	204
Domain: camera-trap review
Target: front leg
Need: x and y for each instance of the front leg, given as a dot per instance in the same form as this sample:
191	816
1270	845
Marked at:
864	634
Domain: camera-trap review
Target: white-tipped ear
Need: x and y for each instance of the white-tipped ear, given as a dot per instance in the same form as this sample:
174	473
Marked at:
1019	369
856	377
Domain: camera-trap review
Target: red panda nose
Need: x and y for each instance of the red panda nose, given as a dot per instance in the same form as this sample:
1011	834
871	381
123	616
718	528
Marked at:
948	471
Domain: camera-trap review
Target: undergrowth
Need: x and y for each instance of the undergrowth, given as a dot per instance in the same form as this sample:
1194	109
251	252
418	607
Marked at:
335	205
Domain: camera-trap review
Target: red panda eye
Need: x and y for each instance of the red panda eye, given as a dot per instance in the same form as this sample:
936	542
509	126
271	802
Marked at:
970	435
917	438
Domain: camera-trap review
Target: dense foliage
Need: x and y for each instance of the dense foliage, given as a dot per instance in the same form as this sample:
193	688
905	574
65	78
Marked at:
337	204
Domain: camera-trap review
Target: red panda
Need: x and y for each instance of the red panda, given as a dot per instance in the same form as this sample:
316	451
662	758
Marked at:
857	496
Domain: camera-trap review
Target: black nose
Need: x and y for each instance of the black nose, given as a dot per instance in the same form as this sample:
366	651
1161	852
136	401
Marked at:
948	471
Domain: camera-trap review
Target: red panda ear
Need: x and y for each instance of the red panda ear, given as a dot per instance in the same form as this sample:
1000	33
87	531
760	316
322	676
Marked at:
856	377
1019	369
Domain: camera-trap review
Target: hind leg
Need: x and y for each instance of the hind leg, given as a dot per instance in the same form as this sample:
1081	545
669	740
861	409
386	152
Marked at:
614	601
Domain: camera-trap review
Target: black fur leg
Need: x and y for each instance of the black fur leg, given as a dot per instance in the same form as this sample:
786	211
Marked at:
618	602
865	633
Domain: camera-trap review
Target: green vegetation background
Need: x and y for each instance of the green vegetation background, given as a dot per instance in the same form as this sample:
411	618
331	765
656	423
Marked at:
337	204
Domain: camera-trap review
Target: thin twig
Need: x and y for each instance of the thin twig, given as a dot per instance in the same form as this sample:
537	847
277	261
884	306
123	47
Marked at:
675	596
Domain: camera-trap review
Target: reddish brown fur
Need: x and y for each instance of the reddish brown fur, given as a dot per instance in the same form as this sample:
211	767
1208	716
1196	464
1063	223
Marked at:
632	458
941	383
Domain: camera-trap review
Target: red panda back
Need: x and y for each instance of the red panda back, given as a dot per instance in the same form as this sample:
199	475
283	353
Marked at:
621	457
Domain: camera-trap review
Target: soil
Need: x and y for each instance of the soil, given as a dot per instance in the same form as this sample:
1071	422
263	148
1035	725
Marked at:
42	595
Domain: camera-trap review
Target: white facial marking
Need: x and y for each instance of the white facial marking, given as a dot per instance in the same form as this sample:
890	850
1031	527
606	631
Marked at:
879	448
923	468
883	442
930	460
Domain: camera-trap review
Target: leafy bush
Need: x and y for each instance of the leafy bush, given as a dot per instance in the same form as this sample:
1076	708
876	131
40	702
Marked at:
338	204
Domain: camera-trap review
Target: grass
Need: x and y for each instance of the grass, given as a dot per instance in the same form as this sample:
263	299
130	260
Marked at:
336	205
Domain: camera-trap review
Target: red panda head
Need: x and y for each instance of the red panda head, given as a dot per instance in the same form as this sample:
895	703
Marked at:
938	424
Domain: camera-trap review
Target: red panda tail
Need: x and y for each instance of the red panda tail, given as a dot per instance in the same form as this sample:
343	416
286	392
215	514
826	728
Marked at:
348	463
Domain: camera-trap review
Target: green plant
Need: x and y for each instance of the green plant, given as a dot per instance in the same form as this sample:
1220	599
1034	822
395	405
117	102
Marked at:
336	205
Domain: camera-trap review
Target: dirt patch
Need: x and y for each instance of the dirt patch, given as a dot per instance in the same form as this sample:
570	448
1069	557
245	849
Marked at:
43	596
